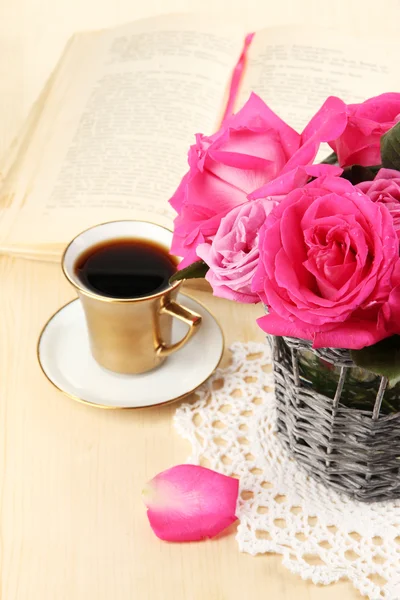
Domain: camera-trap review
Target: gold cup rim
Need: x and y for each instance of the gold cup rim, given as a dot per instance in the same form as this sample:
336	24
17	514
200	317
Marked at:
107	406
99	297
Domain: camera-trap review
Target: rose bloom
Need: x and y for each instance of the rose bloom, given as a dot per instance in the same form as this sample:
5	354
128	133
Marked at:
385	188
252	148
233	254
359	144
329	268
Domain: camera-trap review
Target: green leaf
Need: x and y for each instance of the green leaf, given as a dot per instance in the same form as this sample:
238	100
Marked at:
330	160
390	148
357	173
382	358
196	270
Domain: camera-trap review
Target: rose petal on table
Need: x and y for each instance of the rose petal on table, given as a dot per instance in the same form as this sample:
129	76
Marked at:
188	503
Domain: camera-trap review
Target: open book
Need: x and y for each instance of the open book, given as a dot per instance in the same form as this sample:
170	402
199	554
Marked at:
108	137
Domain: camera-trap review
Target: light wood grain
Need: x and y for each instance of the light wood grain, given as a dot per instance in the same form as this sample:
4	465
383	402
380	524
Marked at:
73	526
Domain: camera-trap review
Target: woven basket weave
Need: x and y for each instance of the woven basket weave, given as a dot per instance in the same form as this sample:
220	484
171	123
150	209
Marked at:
342	423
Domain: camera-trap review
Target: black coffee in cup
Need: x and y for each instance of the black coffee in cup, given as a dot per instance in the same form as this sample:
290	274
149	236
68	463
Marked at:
125	268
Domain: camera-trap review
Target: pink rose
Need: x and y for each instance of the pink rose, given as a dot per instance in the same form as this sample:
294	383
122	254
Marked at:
232	255
251	149
385	188
359	144
329	268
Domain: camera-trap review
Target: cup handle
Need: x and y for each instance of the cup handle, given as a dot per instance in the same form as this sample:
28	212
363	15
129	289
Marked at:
183	314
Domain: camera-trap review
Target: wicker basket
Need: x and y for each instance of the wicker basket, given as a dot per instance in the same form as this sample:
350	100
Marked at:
342	423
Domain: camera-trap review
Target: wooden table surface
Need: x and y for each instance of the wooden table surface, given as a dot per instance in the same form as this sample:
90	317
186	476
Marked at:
72	523
73	526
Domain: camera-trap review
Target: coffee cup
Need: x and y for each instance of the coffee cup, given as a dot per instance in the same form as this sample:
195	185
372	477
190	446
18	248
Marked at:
120	271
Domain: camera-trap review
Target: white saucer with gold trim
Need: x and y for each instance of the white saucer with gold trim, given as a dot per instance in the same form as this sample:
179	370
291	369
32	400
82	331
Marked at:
65	358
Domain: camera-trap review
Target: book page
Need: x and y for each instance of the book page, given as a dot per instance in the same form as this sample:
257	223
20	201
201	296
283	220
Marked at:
294	71
113	138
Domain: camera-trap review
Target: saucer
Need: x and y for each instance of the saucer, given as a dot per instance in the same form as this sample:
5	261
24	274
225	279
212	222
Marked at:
65	358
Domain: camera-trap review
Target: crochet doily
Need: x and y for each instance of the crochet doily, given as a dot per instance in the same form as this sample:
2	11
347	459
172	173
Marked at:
321	535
